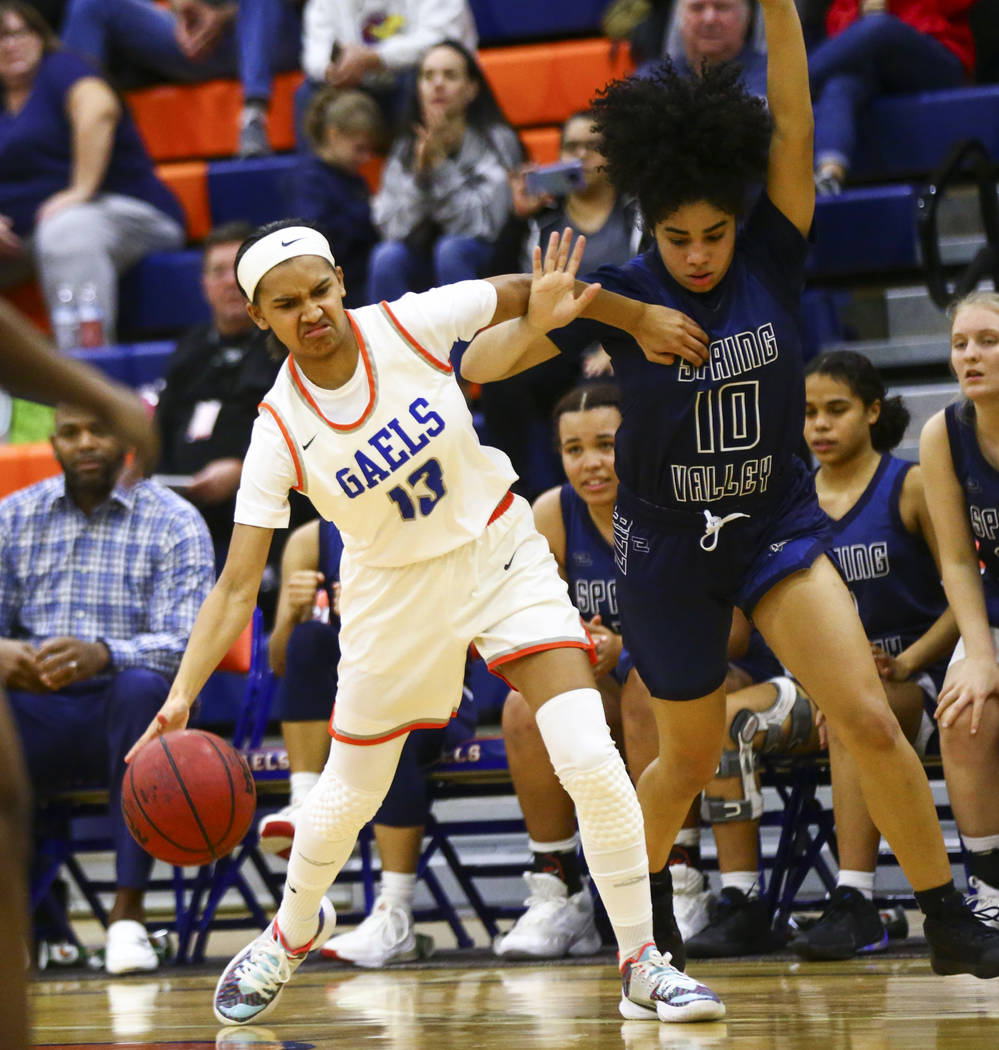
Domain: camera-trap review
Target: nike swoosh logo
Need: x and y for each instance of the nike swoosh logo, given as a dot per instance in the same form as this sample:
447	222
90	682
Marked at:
309	442
510	562
294	240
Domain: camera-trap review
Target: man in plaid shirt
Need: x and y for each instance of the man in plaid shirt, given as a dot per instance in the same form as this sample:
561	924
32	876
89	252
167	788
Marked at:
99	587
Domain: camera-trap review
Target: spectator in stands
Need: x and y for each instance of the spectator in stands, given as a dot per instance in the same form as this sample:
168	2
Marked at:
194	40
99	587
304	649
27	365
376	44
886	552
880	47
698	32
215	379
957	452
445	194
576	520
517	412
78	195
345	131
698	528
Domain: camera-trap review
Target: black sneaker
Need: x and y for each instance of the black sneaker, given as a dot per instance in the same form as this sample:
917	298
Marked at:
737	925
665	931
960	942
850	924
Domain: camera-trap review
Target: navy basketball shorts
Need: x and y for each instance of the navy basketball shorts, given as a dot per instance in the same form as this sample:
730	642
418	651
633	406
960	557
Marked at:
676	597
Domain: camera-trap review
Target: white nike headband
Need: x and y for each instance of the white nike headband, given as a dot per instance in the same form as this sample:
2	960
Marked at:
278	247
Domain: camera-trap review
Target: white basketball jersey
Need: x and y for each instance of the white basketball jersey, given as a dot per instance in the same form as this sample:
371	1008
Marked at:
402	474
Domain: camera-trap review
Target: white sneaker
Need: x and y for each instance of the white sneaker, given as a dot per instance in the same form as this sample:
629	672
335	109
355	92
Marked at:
277	830
128	948
651	988
250	985
984	901
690	899
554	925
385	936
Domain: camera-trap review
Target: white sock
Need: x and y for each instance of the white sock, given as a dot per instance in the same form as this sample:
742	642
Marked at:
688	837
301	784
863	881
560	846
747	881
982	844
398	888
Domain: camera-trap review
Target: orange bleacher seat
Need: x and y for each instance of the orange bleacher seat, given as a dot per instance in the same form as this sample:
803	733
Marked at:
545	83
542	144
189	181
241	653
182	121
22	465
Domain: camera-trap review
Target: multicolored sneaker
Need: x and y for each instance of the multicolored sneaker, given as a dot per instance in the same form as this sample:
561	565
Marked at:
651	987
251	983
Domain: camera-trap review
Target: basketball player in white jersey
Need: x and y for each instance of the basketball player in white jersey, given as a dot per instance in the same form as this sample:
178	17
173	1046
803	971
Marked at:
367	420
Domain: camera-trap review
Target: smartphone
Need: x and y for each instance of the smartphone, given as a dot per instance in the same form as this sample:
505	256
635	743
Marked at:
556	179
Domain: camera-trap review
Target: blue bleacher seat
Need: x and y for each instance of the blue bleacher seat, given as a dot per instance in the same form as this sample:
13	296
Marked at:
161	295
251	190
911	134
134	364
500	21
865	231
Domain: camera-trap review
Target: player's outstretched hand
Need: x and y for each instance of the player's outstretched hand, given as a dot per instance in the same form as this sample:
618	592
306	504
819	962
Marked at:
665	334
172	715
553	301
968	682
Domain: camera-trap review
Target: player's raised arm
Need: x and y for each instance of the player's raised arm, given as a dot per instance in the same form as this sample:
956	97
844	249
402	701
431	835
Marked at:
520	342
790	184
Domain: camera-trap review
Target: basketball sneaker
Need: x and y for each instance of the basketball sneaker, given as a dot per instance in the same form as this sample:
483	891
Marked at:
690	899
128	948
851	924
737	925
961	942
386	935
651	988
556	924
251	983
276	830
984	900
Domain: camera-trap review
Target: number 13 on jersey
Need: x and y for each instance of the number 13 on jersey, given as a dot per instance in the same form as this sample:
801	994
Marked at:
424	488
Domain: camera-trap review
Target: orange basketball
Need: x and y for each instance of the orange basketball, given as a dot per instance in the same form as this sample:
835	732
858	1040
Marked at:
188	797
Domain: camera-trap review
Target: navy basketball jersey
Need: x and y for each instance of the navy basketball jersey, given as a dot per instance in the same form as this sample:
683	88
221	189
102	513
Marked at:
980	482
890	572
589	563
330	552
721	437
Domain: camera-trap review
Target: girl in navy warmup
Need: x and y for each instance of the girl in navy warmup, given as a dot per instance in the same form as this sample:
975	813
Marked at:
715	509
959	450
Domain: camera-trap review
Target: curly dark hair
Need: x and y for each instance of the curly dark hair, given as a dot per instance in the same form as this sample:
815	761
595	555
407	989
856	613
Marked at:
671	139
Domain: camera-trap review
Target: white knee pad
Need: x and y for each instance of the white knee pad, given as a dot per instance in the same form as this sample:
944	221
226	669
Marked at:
336	810
590	769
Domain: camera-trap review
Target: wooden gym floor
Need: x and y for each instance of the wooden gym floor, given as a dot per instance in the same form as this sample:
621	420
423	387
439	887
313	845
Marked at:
465	1000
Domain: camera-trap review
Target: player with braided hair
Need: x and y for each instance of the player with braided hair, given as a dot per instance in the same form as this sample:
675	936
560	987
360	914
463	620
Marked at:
715	509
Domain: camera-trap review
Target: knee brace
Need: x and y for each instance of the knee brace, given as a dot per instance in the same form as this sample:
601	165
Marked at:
336	810
790	702
591	770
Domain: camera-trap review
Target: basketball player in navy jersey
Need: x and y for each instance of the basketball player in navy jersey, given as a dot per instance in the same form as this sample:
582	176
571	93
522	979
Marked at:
959	451
884	545
366	418
30	369
715	508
